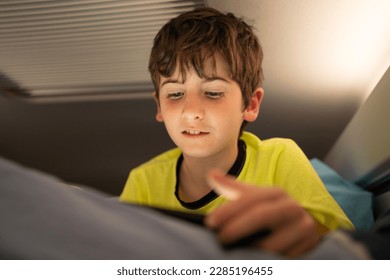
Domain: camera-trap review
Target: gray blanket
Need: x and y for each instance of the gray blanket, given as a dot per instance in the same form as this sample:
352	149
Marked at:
41	217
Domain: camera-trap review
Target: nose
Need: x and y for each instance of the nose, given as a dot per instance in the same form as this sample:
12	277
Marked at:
193	108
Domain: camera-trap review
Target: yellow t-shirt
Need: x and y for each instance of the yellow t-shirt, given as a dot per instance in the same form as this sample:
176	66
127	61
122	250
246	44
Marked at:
269	163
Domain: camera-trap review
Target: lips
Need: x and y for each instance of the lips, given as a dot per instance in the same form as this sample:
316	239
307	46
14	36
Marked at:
194	132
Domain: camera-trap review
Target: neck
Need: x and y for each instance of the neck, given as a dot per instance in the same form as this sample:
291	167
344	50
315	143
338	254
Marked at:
193	173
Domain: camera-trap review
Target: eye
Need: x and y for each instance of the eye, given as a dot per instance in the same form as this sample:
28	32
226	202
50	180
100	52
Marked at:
214	94
175	95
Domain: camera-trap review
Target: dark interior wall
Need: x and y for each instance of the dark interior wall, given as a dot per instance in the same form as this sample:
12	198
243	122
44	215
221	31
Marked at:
97	143
91	143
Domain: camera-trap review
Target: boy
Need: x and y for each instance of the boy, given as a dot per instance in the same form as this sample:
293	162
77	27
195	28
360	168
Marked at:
206	67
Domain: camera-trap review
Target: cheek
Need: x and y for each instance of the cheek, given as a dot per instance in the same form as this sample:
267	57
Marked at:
230	117
169	116
168	112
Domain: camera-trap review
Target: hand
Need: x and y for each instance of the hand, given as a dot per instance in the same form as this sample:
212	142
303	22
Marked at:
250	209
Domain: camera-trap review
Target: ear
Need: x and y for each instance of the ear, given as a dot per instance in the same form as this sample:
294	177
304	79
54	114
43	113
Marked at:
159	116
252	111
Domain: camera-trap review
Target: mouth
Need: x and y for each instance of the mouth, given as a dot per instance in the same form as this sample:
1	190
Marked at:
194	132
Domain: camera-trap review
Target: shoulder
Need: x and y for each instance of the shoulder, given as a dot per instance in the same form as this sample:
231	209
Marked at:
273	152
152	178
160	169
273	144
164	160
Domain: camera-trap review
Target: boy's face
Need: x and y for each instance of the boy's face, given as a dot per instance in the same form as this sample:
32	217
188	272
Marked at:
203	116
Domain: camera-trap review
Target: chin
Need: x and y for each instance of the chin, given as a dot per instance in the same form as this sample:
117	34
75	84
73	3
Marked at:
196	154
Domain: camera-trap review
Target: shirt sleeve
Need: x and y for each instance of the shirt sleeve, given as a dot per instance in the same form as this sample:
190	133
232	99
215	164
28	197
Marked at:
131	193
297	176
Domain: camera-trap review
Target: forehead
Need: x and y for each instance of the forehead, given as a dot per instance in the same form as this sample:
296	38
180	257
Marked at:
213	66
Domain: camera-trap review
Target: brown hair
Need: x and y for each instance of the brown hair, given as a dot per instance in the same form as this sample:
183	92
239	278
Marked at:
192	38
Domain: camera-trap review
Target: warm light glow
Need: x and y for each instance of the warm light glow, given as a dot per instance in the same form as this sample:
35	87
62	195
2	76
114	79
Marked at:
314	49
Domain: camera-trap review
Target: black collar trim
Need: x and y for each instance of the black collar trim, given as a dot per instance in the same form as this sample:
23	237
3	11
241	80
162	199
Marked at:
235	170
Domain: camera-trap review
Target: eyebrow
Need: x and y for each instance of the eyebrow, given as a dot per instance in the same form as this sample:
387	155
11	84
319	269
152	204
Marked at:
207	79
171	81
214	78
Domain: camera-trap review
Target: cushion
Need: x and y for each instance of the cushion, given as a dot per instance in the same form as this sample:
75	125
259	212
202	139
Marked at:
356	202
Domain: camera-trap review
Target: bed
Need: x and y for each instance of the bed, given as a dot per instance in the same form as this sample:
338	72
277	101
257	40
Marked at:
44	218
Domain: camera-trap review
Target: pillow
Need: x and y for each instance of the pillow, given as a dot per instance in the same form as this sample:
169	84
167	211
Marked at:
356	202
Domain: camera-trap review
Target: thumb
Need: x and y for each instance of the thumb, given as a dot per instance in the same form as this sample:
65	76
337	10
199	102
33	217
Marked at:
224	185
